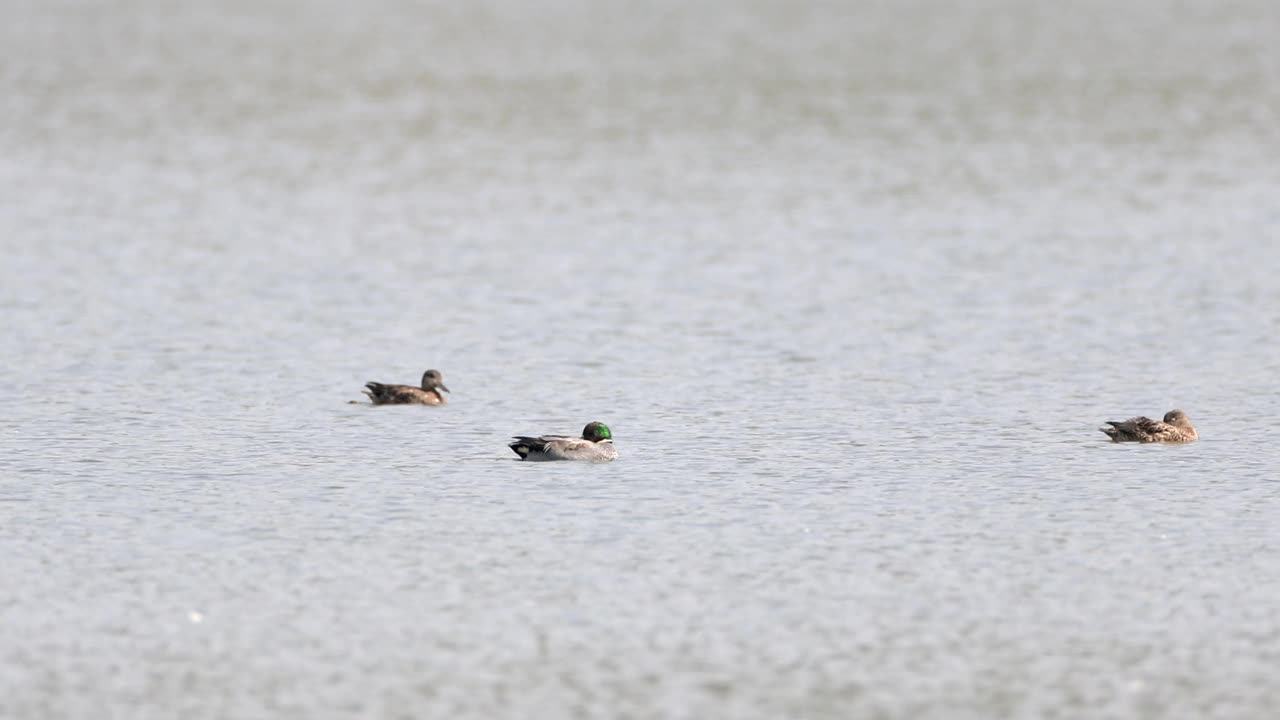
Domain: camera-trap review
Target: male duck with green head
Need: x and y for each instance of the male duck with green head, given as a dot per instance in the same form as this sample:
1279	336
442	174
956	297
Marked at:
596	444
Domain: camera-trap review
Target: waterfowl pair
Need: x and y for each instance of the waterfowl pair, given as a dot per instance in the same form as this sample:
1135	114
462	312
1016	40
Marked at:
596	443
1176	428
428	394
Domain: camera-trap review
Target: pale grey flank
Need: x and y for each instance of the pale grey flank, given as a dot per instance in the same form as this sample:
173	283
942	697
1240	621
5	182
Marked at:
853	283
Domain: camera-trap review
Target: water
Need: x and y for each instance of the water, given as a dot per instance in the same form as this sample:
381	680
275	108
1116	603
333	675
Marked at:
853	284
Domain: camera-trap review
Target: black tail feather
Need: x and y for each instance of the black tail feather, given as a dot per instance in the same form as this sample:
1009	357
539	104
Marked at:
524	445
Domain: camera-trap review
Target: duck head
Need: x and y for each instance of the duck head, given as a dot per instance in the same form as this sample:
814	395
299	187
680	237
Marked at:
597	432
432	379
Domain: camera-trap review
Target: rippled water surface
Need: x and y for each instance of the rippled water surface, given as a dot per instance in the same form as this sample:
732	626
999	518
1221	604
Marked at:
854	284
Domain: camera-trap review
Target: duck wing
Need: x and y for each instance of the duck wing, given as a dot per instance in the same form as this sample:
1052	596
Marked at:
382	394
544	447
1135	429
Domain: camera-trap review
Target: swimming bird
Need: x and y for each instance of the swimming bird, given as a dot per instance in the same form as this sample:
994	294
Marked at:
1176	428
428	394
596	444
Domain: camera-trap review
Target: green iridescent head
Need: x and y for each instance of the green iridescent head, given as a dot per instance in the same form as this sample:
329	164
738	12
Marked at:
596	432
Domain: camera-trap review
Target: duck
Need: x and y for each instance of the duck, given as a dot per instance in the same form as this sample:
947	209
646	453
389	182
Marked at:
1176	428
428	394
595	445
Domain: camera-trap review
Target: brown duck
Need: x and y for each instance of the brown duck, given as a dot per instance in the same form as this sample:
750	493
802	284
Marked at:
1176	428
428	394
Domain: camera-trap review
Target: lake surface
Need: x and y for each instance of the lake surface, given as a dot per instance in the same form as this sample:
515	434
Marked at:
854	284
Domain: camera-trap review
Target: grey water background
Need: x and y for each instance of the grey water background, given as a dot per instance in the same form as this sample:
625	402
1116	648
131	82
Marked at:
854	284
